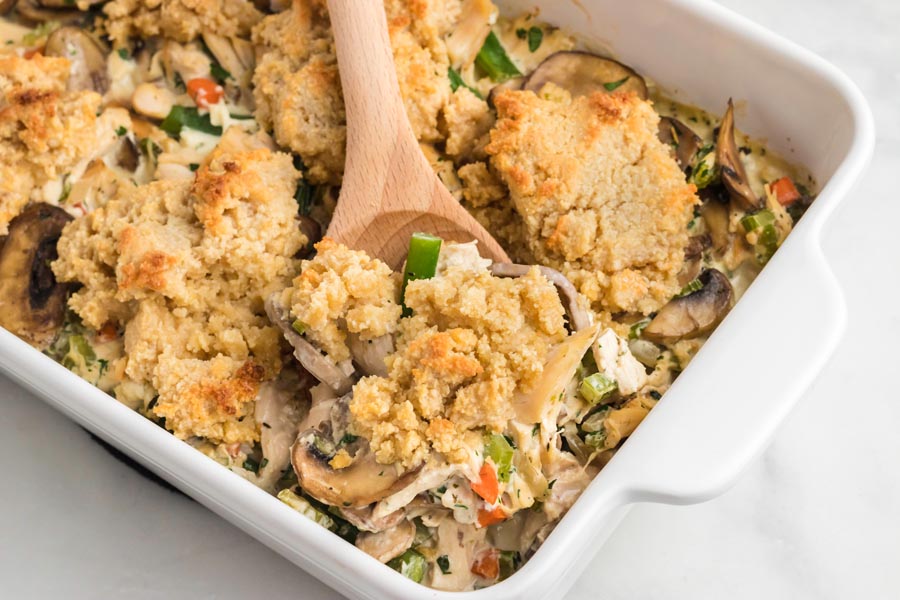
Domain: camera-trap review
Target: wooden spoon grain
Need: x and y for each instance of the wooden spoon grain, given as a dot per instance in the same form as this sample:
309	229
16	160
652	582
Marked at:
389	189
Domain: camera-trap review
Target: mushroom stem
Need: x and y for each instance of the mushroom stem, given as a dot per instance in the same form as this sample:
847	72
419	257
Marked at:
578	317
321	367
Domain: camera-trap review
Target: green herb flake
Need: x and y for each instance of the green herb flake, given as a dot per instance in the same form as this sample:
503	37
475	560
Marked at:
218	72
121	131
521	33
188	116
494	61
443	562
193	167
456	81
251	465
614	85
535	37
123	53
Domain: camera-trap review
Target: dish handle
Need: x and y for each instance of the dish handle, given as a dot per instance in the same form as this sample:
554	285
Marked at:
723	410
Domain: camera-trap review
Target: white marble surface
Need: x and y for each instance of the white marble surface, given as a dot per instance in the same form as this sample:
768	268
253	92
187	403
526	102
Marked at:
817	517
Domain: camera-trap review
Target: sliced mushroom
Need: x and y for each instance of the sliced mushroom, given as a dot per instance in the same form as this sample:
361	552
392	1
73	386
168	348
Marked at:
682	138
361	483
716	216
310	228
32	302
87	56
694	314
693	257
579	318
369	355
387	544
128	157
34	12
582	73
734	176
364	519
320	366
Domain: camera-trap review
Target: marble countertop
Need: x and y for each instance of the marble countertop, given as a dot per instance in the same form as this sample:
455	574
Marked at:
816	517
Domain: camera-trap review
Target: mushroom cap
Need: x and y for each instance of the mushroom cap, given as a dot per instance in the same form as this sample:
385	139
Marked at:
361	483
682	138
582	73
734	176
694	314
32	302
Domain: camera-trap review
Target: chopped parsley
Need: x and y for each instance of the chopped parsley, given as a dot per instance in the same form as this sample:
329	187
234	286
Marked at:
219	72
443	561
456	81
535	37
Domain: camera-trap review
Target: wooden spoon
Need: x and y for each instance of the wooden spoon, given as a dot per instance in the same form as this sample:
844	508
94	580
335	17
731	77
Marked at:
389	189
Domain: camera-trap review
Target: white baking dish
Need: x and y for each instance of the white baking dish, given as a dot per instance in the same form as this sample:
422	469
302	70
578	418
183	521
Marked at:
723	409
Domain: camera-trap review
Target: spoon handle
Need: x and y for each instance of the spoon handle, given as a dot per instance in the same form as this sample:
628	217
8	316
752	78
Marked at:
376	118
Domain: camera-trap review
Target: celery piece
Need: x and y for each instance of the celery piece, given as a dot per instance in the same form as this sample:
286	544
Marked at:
509	562
499	450
636	329
494	61
411	564
302	506
704	170
689	288
421	262
597	387
758	220
298	326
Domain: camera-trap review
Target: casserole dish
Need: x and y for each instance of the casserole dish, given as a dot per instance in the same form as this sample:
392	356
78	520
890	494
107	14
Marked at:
707	430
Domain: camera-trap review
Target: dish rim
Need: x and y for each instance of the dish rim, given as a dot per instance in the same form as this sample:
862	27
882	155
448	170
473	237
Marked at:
267	519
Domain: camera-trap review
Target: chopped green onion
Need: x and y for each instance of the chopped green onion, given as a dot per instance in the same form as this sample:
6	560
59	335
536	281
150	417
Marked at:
193	167
596	439
636	329
690	288
251	465
614	85
410	564
509	561
150	148
302	506
499	450
298	326
41	31
493	60
704	170
421	261
767	237
597	388
443	561
120	131
456	81
123	53
758	220
188	116
535	37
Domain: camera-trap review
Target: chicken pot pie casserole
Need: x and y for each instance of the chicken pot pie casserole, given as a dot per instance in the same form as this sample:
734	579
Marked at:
167	169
